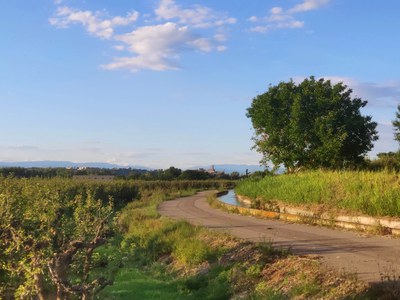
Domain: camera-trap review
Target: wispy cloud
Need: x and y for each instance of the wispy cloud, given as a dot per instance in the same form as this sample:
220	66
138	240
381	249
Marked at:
94	23
21	148
197	16
308	5
279	18
378	94
159	44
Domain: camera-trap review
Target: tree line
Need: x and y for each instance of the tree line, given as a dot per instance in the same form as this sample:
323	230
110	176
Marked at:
171	173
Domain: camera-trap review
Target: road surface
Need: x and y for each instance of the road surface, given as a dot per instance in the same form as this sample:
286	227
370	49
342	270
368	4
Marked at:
369	257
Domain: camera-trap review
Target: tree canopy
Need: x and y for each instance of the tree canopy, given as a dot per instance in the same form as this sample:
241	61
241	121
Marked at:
312	124
396	124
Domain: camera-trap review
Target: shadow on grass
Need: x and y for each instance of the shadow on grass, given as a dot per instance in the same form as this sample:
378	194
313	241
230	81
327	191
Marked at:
385	290
132	284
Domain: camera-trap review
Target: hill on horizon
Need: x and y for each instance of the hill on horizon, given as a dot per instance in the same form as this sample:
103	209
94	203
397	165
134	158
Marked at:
66	164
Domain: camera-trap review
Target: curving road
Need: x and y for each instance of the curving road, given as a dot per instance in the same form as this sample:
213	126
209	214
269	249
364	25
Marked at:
369	257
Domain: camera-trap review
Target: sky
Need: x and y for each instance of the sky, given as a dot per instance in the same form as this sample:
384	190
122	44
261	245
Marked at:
162	83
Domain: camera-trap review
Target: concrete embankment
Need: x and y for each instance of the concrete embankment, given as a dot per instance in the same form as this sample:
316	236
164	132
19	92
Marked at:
292	214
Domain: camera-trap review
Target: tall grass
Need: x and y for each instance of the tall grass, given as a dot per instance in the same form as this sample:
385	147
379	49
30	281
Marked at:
371	193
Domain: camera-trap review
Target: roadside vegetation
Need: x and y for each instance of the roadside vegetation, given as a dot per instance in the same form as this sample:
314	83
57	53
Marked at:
175	260
356	192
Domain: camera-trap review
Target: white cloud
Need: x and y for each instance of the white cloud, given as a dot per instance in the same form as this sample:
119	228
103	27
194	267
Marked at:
158	46
119	47
308	5
278	18
220	37
198	16
253	19
221	48
94	23
276	10
280	25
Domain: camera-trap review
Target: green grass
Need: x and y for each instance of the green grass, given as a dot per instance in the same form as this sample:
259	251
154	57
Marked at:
131	283
147	239
370	193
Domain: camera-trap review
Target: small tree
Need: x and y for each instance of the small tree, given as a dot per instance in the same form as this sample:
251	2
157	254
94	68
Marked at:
47	240
312	124
396	124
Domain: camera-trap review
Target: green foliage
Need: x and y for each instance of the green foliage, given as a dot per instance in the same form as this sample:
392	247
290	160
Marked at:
149	238
310	125
195	175
157	237
48	233
192	251
169	174
396	125
371	193
386	161
55	233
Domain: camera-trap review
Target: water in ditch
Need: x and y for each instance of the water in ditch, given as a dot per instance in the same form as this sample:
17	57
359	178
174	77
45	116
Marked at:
230	198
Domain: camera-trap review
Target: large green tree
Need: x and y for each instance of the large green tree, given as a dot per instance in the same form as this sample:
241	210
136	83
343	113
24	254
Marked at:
312	124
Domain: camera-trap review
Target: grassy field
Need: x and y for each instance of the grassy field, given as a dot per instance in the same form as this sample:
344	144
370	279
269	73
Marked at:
370	193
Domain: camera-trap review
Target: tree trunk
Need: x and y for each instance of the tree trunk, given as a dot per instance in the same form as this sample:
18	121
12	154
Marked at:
39	286
86	295
58	271
61	294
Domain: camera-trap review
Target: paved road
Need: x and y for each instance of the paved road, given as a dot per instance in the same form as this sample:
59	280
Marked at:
369	257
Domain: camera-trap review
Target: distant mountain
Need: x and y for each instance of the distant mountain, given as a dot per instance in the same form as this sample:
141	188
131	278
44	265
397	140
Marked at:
229	168
65	164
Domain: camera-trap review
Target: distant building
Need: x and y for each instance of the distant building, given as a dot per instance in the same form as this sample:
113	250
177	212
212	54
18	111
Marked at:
212	170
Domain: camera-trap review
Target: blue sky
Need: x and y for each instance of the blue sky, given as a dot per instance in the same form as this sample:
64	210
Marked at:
160	83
